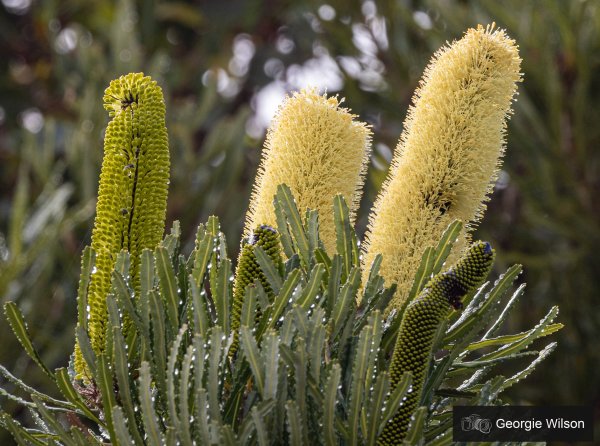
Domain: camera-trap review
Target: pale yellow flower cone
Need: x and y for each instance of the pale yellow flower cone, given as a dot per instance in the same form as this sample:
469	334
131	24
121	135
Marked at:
319	150
448	156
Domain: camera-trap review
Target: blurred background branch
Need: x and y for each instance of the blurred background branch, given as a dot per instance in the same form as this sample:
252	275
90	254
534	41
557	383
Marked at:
224	67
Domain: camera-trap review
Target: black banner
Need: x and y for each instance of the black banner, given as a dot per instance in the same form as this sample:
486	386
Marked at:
522	423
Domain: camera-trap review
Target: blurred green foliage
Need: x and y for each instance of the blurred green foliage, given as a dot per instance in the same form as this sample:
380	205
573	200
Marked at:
219	64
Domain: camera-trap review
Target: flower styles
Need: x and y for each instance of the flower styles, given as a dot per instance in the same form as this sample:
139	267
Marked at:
319	150
448	156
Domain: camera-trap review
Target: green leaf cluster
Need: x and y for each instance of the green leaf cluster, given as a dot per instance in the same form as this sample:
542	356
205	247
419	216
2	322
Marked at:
312	365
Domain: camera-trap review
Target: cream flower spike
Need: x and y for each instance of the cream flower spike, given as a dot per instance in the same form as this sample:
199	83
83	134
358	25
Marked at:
447	159
319	150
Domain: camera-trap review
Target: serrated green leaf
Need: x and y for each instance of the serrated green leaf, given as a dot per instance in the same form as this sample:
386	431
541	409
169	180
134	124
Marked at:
530	368
288	206
248	314
185	390
507	308
201	418
201	317
19	328
213	226
107	390
270	358
152	429
508	339
520	344
171	241
217	351
312	229
459	329
281	300
376	405
202	256
63	381
329	408
31	391
123	295
53	423
301	378
359	370
322	258
414	434
171	385
333	285
21	436
423	274
375	281
264	409
282	228
120	426
89	356
259	426
294	424
168	284
227	436
269	269
343	233
122	372
146	271
159	342
88	259
312	288
445	245
394	400
221	293
252	355
315	347
345	301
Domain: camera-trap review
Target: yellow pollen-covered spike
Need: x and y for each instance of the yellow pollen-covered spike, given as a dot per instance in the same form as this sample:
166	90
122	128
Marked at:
447	159
319	150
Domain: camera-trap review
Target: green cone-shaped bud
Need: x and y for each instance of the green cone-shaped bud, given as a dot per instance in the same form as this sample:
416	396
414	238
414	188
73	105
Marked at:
413	349
248	271
132	195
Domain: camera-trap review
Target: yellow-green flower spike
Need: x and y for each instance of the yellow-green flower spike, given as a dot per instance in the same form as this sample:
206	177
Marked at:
248	271
447	159
319	150
132	195
413	349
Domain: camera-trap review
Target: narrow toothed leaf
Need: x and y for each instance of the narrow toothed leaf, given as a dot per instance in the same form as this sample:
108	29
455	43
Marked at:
168	284
123	375
312	288
252	354
19	328
329	409
294	424
343	233
288	205
120	426
63	381
151	424
107	391
414	434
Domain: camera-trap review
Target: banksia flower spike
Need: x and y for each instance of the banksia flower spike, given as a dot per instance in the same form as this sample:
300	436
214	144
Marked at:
248	271
447	159
317	149
132	195
413	349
